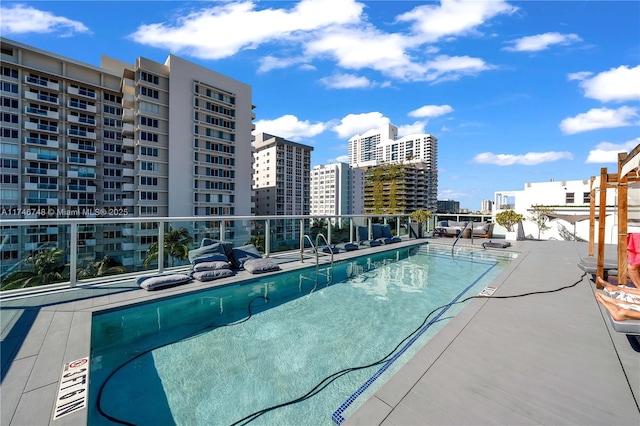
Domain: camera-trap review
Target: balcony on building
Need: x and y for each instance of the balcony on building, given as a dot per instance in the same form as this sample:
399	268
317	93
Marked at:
40	97
81	92
29	110
43	186
128	129
128	246
44	142
80	160
82	134
81	174
40	156
81	188
82	106
80	147
128	101
128	86
81	120
34	81
40	127
41	201
41	171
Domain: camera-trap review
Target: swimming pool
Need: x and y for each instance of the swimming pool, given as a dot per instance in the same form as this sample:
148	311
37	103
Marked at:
223	354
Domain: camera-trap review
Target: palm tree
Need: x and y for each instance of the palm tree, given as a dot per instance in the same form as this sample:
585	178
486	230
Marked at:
46	268
176	246
100	268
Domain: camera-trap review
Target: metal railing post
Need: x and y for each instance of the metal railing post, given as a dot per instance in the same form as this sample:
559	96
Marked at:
267	237
73	261
161	246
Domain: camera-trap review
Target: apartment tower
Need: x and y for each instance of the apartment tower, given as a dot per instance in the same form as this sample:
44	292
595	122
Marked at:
409	163
141	139
337	189
281	170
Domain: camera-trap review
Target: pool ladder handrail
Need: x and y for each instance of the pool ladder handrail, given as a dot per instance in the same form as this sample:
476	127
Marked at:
316	253
460	234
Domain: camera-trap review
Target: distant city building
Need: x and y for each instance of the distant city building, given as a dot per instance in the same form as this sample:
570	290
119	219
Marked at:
337	189
281	175
487	206
569	199
418	155
143	139
398	189
448	206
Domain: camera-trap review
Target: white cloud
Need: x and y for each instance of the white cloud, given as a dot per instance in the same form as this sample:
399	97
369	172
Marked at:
22	19
357	48
340	159
269	63
431	111
579	75
616	85
221	31
289	127
447	68
539	42
354	124
346	81
599	118
410	129
606	152
334	29
453	17
528	159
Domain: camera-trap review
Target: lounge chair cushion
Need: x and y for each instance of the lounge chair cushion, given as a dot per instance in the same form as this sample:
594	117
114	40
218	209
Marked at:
209	266
496	245
626	326
261	265
347	246
363	237
330	249
223	247
376	230
212	274
239	255
154	282
212	257
386	231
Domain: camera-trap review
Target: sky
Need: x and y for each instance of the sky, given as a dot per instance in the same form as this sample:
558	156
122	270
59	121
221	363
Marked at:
515	92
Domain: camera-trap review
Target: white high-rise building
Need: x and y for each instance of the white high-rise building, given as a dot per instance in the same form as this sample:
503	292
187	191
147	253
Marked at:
337	189
281	179
141	139
281	171
418	155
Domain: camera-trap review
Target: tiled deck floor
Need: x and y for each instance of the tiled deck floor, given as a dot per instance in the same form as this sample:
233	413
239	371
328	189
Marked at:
542	359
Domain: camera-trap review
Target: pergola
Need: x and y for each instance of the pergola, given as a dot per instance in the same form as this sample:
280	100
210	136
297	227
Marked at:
628	168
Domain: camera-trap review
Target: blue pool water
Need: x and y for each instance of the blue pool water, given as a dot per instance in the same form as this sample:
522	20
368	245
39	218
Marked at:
222	354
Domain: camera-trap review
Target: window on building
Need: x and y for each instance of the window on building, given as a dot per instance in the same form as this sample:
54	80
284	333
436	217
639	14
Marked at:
586	197
570	198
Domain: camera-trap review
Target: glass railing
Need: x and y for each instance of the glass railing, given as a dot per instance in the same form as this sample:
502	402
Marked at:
67	262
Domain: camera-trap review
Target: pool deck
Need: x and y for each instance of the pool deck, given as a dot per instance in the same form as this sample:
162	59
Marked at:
549	358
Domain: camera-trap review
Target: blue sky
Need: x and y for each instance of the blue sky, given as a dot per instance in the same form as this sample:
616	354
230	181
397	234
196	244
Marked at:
515	92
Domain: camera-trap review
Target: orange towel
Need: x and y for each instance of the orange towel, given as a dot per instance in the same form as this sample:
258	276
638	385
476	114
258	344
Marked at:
633	249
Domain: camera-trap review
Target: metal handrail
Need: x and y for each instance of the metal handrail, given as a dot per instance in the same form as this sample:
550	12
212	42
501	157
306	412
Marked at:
460	234
304	238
